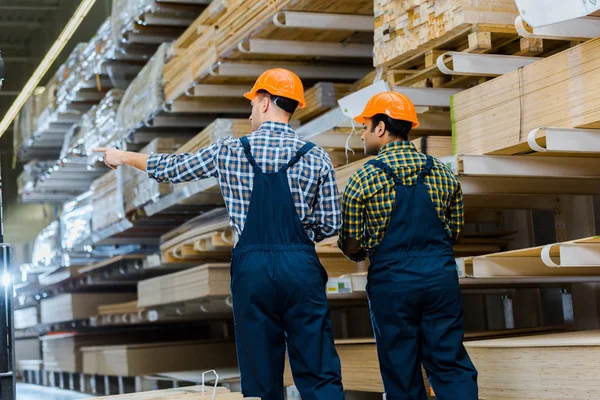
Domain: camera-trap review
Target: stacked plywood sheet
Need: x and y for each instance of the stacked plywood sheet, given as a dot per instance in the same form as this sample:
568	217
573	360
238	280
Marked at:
151	358
26	318
138	189
28	348
321	98
74	306
220	128
559	91
435	146
119	308
107	200
544	367
187	393
405	28
208	280
238	21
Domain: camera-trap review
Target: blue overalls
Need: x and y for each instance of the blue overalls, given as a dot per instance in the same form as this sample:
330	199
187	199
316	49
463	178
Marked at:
278	288
415	300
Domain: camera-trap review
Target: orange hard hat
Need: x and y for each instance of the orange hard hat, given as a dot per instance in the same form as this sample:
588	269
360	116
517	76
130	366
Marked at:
279	82
392	104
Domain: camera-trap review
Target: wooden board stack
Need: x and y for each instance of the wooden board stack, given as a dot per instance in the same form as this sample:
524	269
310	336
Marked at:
218	129
119	308
435	146
559	91
404	29
544	367
151	358
187	393
75	306
138	189
321	98
238	21
107	200
209	280
26	318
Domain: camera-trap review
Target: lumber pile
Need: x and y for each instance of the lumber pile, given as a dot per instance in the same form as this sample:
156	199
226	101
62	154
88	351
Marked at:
544	367
435	146
152	358
404	29
107	200
208	280
238	21
321	98
119	308
75	306
47	250
220	128
76	224
26	318
559	91
186	393
138	189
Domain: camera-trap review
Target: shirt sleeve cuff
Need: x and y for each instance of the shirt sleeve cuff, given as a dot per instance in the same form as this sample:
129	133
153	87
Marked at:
152	164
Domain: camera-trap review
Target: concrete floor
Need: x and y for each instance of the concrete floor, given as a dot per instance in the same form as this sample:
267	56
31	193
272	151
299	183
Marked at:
34	392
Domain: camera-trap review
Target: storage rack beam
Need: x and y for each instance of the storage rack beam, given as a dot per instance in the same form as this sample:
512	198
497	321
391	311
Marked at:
578	29
299	48
251	71
473	64
308	20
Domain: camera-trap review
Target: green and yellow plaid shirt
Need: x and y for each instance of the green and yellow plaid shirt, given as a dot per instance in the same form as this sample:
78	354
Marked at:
369	197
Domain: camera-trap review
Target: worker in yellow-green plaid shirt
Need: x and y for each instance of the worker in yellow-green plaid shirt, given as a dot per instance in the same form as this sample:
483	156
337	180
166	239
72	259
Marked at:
404	210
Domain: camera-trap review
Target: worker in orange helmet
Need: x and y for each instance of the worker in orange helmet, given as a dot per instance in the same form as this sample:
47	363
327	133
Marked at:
404	210
281	195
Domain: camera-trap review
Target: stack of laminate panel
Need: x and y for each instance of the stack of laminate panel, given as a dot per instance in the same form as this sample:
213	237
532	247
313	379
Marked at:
220	128
107	200
119	308
209	280
24	127
544	367
28	349
151	358
405	28
26	318
151	22
321	98
69	76
241	19
76	229
76	306
187	393
138	189
28	179
497	116
47	250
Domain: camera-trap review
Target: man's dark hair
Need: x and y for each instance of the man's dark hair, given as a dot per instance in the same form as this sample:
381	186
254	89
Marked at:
287	105
396	127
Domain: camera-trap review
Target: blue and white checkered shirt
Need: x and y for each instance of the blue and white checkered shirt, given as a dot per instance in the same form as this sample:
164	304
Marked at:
312	179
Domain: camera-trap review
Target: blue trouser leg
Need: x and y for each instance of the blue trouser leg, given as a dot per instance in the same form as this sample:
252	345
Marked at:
395	316
313	358
450	370
259	334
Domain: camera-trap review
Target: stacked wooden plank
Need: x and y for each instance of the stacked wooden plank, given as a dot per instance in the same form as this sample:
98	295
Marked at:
59	275
138	189
220	128
75	306
151	358
26	318
544	367
406	28
435	146
119	308
559	91
321	98
187	393
237	22
208	280
107	196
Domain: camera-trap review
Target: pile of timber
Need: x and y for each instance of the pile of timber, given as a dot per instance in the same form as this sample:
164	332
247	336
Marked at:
152	358
559	91
119	308
47	250
107	200
321	98
32	173
404	29
238	21
26	318
544	367
220	128
77	306
209	280
574	258
76	225
138	188
151	22
59	275
186	393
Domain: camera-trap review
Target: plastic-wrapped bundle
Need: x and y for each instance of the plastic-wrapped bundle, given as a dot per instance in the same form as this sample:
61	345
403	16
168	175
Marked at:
106	131
144	97
69	74
32	171
107	200
138	189
24	126
76	224
47	250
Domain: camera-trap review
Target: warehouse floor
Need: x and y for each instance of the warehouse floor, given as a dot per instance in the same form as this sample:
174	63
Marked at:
33	392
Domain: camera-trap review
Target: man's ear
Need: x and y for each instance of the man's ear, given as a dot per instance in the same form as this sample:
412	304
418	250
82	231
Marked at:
380	129
264	104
